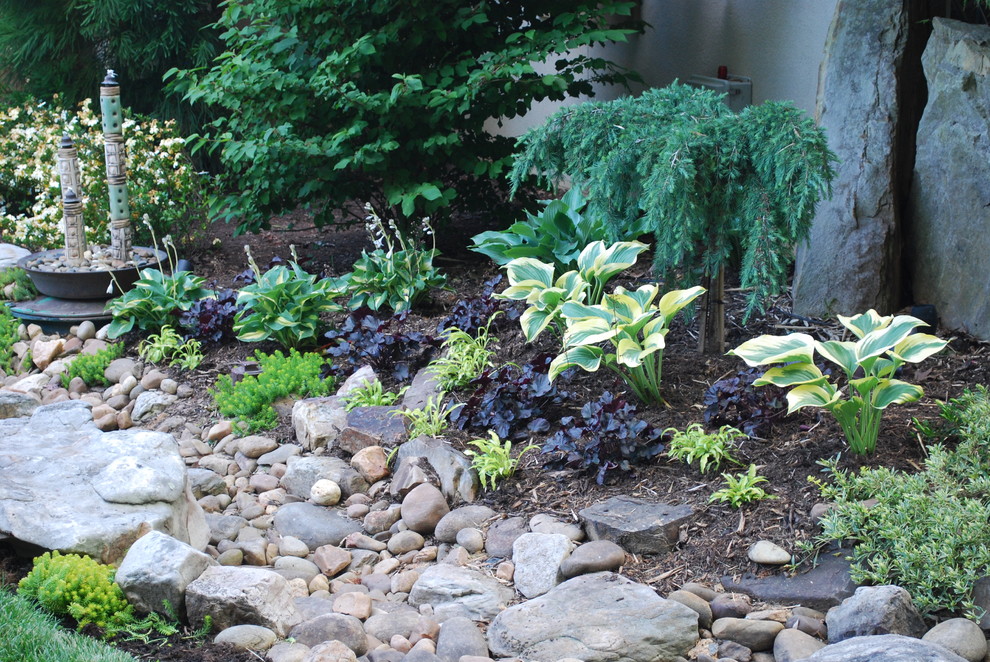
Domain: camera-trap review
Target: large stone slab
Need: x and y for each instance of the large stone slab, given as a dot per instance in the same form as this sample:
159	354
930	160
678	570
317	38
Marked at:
10	254
314	525
637	525
822	587
235	596
16	405
304	471
66	485
875	610
950	196
602	617
318	421
851	262
884	648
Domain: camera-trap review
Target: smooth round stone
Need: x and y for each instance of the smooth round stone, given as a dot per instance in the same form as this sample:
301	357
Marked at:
170	386
696	604
357	510
961	636
255	446
594	556
405	541
353	604
730	605
231	557
402	582
86	330
263	482
423	507
153	380
471	539
754	635
247	637
292	546
768	553
293	567
325	492
543	523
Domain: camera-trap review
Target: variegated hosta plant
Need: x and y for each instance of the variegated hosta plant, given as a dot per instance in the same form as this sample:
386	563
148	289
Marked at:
536	283
884	345
634	323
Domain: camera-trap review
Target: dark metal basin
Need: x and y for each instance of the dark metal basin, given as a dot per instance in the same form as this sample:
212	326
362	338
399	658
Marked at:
85	284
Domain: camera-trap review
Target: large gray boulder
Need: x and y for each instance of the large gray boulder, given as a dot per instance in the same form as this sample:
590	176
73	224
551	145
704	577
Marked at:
851	262
951	195
458	480
884	648
314	525
66	485
602	617
157	569
303	472
875	610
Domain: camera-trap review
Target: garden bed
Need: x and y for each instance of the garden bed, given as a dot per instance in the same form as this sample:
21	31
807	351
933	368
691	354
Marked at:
715	542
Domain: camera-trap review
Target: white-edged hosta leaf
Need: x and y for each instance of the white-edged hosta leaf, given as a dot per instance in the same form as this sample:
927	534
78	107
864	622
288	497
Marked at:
534	321
672	302
525	269
918	347
587	358
842	353
864	385
630	353
589	331
811	395
791	375
894	391
864	323
882	340
776	349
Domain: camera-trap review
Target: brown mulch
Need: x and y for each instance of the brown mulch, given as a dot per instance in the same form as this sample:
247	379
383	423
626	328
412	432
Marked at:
715	541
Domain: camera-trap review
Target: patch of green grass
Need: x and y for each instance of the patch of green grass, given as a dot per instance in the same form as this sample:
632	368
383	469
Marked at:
31	635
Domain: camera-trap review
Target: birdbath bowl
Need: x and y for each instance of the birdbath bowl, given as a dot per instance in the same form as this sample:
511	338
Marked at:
99	278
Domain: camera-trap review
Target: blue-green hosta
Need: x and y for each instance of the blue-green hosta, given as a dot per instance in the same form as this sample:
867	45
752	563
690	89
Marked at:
635	324
884	344
534	282
284	304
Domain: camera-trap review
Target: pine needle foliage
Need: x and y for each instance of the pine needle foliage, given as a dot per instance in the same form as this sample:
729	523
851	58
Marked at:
716	188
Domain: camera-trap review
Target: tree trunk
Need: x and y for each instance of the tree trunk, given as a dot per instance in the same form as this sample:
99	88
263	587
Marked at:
711	339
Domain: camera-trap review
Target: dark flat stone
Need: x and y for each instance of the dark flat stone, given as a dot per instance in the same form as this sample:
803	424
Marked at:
820	588
637	525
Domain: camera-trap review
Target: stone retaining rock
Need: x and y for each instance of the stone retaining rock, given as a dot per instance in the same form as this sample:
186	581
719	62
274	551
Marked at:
595	618
638	525
884	648
456	591
234	596
874	610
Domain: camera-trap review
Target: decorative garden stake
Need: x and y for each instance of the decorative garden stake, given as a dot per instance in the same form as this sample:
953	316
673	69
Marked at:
75	231
75	228
113	143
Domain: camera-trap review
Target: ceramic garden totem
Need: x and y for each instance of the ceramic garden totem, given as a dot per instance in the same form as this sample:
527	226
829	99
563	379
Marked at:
113	145
75	229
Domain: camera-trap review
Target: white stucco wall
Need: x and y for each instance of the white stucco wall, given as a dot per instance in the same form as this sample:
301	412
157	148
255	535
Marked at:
778	43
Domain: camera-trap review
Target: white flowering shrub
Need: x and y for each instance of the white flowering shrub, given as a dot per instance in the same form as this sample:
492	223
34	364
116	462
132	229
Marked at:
161	180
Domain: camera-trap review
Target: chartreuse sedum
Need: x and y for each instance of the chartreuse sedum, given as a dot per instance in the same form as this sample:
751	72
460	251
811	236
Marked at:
884	344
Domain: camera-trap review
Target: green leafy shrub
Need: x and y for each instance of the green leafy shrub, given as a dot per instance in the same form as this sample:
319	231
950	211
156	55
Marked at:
709	450
77	586
372	394
23	286
557	234
161	180
493	460
929	531
250	399
8	336
741	489
464	357
884	345
169	346
387	102
284	305
91	367
398	274
155	301
635	324
545	293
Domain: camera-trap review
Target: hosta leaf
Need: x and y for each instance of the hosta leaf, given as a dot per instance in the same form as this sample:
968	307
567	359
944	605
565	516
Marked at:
841	353
586	358
864	323
791	375
918	347
864	385
811	395
589	331
534	321
882	340
527	269
894	391
776	349
672	302
630	353
576	311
